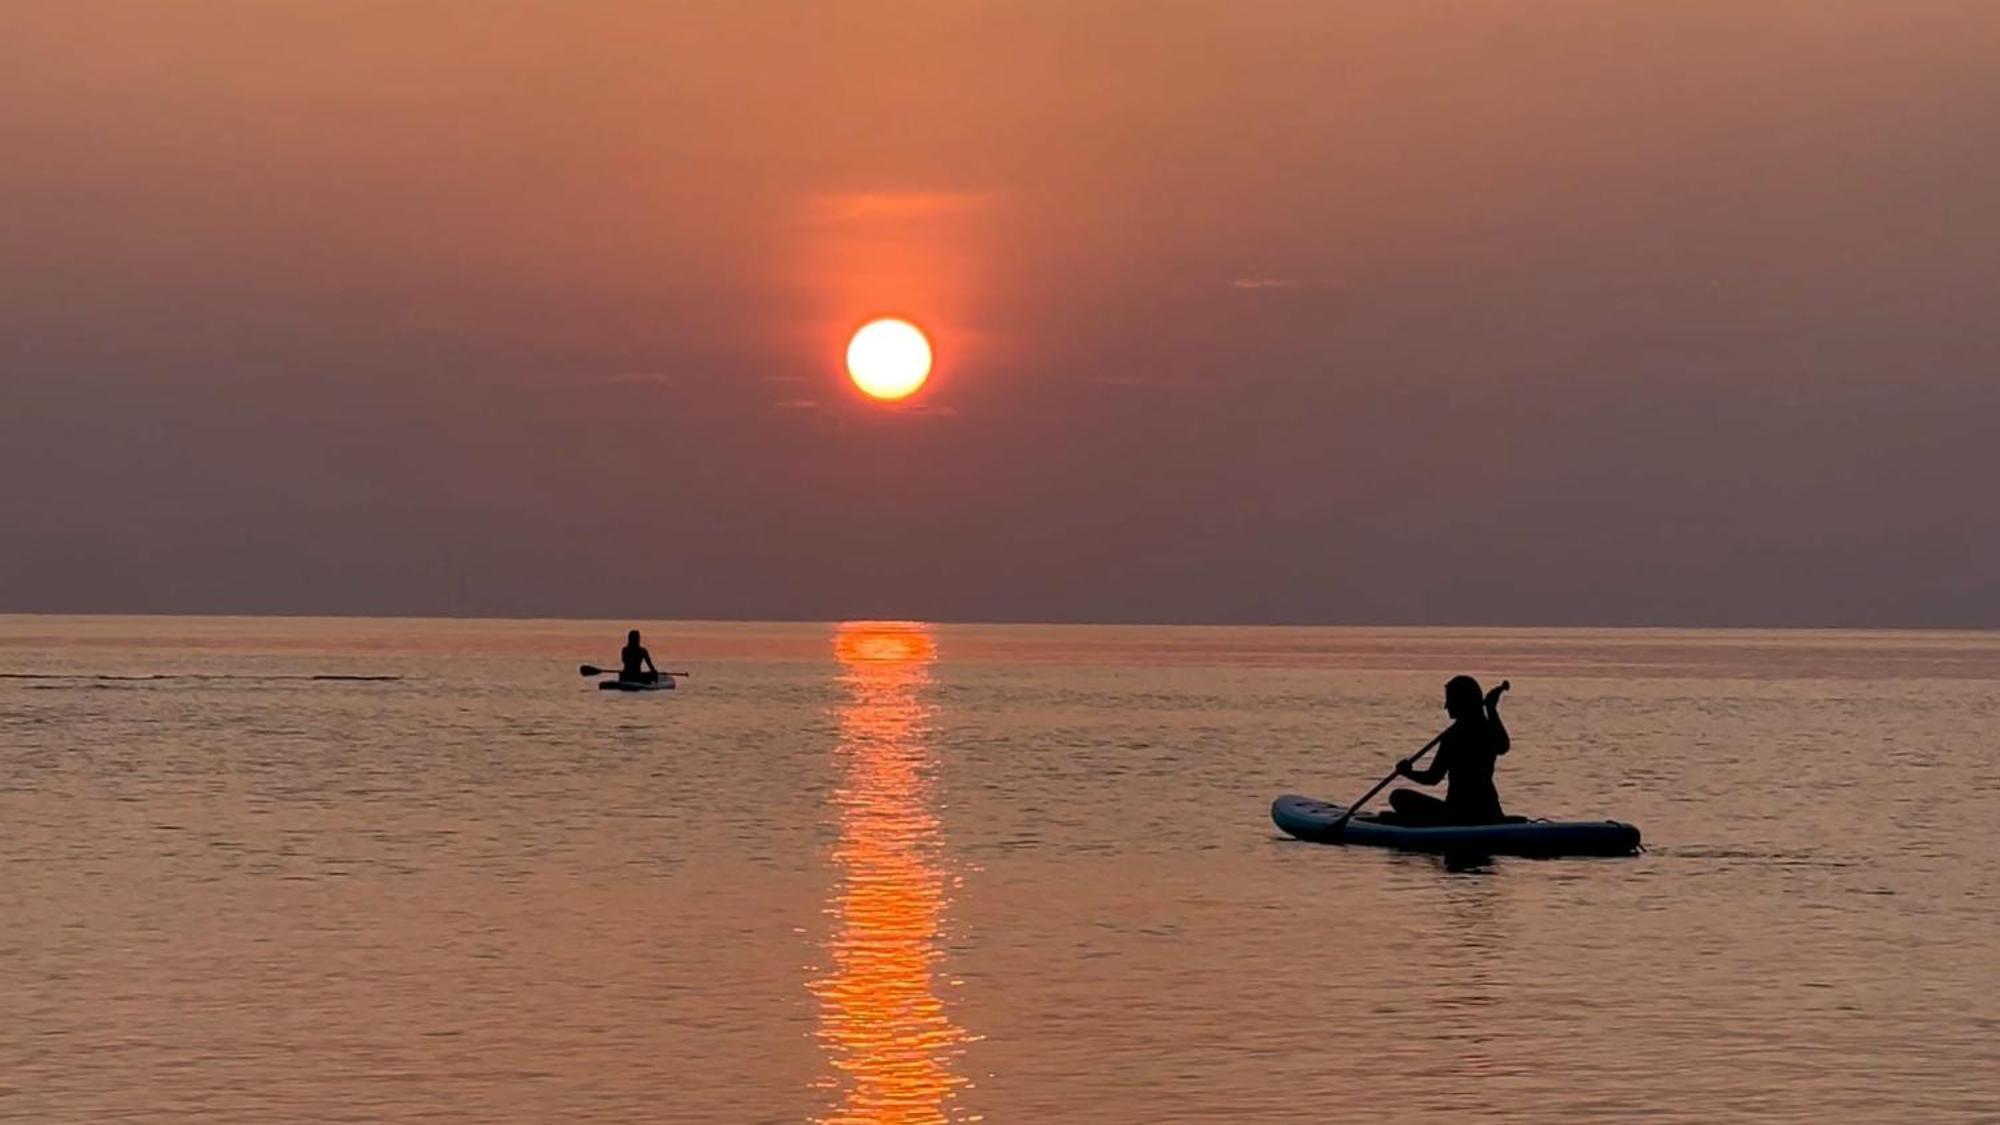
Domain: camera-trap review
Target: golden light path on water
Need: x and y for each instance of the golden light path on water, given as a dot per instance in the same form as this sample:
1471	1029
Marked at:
888	1035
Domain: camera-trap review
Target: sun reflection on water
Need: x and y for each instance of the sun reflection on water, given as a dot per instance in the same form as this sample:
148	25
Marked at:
888	1036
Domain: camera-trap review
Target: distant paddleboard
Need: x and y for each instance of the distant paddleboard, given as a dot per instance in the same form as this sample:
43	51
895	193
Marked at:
664	683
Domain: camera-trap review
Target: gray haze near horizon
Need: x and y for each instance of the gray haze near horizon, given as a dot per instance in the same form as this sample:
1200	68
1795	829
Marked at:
1552	313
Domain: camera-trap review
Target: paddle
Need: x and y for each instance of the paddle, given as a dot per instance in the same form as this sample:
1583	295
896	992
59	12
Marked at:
1340	825
594	670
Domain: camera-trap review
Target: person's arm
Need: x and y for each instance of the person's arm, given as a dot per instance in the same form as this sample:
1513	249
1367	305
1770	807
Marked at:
1501	742
647	653
1431	774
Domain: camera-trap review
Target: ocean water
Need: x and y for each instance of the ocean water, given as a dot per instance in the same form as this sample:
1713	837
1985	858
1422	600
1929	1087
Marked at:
890	872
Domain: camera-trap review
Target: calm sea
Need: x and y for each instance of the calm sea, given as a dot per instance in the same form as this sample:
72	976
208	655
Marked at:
904	873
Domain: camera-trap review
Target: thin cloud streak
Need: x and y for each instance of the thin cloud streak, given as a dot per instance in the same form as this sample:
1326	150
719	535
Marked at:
1255	283
890	207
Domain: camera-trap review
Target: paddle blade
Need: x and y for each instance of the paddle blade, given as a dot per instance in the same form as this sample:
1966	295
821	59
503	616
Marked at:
590	670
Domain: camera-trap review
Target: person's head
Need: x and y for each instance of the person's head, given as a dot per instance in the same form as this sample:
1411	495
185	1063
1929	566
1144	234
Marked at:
1462	697
632	638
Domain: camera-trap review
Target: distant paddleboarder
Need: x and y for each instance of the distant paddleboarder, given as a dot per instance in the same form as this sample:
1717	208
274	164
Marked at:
1466	755
636	664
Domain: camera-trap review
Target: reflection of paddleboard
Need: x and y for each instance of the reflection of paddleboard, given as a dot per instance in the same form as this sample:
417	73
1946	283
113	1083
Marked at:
1316	820
664	683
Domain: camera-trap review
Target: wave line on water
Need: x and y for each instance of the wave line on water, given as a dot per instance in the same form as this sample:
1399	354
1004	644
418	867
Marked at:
327	676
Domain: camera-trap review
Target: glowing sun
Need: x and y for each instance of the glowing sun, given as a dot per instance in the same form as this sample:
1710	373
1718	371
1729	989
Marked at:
889	359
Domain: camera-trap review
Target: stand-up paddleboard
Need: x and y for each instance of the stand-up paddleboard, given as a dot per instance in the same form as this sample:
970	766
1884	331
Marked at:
664	683
1319	822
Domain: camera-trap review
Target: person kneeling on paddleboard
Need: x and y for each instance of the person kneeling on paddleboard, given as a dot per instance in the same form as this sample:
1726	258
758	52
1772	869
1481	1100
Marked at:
1466	755
636	663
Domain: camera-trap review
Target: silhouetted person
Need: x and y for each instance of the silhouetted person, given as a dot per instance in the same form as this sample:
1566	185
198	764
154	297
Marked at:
635	663
1465	755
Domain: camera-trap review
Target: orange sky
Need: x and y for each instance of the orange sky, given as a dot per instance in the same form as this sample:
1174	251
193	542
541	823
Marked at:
1276	311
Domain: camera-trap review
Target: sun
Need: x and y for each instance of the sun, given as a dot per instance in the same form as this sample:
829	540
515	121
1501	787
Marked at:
889	359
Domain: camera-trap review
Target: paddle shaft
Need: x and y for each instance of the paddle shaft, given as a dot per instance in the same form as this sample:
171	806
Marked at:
1341	824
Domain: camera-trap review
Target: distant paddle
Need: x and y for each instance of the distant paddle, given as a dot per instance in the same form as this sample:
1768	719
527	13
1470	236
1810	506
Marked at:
594	670
1340	825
